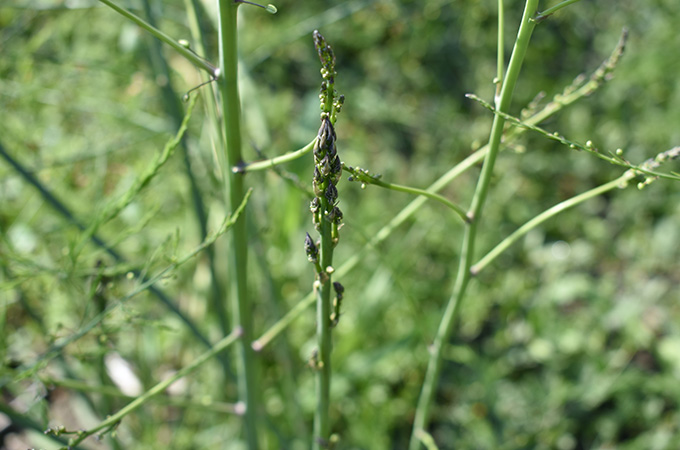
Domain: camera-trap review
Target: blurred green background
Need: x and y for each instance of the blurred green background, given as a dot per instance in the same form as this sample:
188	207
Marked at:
570	340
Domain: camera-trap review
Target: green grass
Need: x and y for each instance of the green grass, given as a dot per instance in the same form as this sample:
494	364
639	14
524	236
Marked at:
566	339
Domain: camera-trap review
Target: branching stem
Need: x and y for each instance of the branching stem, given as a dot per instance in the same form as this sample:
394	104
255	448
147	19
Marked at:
466	256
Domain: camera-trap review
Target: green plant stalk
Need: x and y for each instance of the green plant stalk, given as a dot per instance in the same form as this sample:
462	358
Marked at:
500	55
269	163
323	333
234	190
431	195
463	276
192	57
112	421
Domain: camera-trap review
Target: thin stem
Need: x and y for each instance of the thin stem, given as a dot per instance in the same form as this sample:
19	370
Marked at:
112	421
192	57
500	56
446	325
364	177
269	163
547	214
545	14
587	147
234	189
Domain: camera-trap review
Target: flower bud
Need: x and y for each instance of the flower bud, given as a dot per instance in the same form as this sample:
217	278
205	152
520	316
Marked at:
310	249
331	193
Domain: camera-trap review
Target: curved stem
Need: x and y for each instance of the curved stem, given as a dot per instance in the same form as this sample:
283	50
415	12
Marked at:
269	163
362	176
547	214
463	277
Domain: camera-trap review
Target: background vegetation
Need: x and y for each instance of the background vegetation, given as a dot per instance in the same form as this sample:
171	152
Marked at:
570	340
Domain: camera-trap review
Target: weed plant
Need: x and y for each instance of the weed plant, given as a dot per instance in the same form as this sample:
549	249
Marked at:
507	272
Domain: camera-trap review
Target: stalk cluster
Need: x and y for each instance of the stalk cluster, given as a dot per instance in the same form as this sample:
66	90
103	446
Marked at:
327	219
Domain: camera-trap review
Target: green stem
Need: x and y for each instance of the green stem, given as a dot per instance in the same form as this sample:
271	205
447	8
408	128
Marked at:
545	14
192	57
323	334
500	55
463	277
362	176
269	163
234	191
112	421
